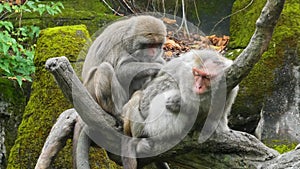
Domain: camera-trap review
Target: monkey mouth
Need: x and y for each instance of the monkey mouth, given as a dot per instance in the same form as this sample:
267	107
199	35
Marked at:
199	89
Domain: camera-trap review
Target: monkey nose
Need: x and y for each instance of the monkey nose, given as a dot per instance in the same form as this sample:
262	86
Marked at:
199	86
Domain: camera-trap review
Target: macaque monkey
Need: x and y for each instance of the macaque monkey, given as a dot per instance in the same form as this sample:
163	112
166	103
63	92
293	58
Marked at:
189	93
125	56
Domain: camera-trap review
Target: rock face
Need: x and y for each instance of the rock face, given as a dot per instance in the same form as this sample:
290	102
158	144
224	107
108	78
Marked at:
272	86
47	101
280	116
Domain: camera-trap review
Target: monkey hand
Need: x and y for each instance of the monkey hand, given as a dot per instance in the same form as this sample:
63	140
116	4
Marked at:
147	73
173	103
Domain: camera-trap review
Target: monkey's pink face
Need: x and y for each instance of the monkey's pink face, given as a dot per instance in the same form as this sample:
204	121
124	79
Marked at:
201	80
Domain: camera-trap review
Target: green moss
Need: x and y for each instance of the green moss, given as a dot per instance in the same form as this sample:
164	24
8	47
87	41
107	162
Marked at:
100	160
46	101
282	146
69	41
241	29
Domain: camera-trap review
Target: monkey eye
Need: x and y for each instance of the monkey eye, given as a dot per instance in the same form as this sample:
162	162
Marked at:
143	46
150	45
195	73
206	77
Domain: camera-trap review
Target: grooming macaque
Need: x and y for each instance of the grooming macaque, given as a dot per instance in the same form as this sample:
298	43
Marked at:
125	56
186	94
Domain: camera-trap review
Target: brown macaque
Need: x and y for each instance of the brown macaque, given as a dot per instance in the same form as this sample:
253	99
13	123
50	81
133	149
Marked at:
188	94
125	56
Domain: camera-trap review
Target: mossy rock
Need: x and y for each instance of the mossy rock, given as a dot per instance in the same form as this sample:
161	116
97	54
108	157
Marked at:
259	84
47	102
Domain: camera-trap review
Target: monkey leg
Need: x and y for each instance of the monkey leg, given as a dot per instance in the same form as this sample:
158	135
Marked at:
101	83
223	124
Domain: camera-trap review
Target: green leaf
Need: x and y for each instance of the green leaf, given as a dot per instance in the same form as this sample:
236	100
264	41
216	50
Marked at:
41	11
5	48
6	69
31	4
34	32
28	78
50	10
4	65
16	8
1	8
8	25
7	6
19	80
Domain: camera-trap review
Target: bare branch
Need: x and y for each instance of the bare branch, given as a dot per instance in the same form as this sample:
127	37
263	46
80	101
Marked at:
117	13
184	20
127	6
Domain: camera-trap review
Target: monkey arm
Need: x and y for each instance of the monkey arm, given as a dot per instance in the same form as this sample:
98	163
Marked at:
129	77
129	70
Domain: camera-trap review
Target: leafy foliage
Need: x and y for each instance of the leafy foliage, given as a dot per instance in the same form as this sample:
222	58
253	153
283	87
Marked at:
17	42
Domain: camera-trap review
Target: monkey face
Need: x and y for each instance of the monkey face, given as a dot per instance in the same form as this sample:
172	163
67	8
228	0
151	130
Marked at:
201	80
148	48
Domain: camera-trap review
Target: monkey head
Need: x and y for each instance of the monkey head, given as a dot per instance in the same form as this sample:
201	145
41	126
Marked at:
148	37
207	71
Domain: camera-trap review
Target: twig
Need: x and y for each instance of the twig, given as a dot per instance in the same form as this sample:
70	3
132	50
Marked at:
249	4
175	9
184	20
127	6
117	13
164	8
197	14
